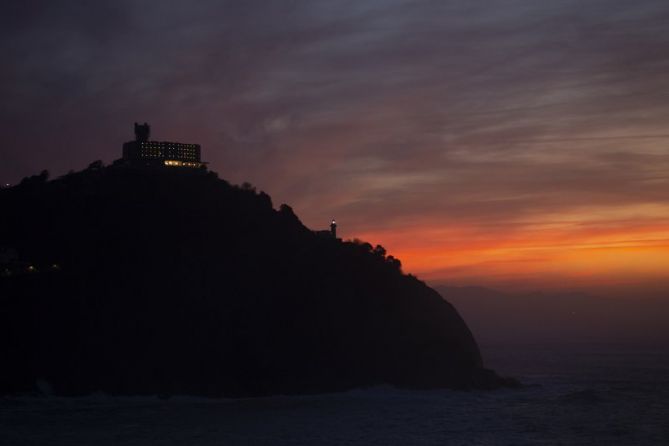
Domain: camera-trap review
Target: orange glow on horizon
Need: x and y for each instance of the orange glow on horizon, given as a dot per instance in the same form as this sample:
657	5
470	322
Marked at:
570	252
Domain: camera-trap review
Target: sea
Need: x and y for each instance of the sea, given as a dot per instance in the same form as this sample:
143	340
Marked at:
582	394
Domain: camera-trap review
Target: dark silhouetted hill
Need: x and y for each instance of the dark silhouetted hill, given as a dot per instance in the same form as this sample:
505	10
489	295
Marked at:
175	282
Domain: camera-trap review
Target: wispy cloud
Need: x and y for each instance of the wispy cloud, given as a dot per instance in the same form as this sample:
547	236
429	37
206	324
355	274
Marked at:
398	116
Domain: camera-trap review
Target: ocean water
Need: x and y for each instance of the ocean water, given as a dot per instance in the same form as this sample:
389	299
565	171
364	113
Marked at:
573	395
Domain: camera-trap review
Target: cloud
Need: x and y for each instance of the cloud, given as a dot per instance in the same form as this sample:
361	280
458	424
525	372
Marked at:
391	115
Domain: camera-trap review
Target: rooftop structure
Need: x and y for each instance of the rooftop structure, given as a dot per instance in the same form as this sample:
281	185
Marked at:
142	151
332	233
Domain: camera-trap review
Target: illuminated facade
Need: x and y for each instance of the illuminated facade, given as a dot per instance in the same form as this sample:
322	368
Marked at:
160	153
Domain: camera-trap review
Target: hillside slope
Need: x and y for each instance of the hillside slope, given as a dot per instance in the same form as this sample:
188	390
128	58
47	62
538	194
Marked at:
142	282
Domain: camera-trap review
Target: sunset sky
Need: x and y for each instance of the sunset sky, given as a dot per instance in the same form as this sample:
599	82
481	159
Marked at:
519	144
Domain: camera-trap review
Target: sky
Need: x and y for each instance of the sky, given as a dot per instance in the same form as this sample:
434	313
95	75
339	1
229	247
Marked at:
516	144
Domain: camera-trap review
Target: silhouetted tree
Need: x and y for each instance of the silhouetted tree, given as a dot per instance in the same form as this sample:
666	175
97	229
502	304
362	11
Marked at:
96	165
395	263
380	251
248	187
35	180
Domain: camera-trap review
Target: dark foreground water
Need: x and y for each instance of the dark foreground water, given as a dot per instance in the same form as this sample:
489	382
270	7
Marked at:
601	395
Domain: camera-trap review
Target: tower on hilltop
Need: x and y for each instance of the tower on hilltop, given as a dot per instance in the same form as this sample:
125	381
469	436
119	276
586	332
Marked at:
142	132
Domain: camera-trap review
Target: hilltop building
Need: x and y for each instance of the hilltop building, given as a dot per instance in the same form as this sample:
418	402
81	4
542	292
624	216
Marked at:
145	152
332	233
